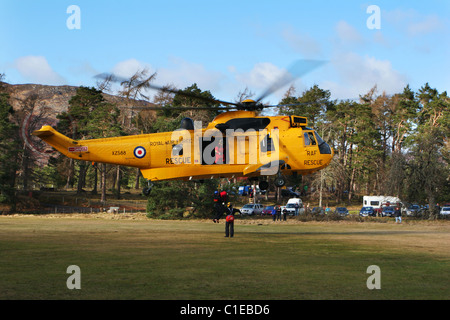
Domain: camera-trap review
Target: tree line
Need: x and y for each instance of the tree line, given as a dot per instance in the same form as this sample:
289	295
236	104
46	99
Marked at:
384	144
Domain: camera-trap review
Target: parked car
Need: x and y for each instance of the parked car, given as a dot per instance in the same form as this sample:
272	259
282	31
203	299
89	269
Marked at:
413	210
267	210
445	211
342	211
252	209
388	211
367	211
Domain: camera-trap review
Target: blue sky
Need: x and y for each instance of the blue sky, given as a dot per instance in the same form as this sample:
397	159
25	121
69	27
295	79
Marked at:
226	46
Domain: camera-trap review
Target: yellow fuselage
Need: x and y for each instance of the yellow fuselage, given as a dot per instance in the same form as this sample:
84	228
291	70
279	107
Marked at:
189	154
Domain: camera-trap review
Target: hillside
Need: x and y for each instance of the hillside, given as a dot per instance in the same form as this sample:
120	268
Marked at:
53	99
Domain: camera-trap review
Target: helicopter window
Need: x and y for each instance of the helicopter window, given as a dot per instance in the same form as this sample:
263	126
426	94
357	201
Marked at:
319	139
305	136
324	148
267	144
309	139
177	149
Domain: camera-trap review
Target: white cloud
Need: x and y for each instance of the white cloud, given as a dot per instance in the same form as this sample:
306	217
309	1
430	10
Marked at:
358	74
414	23
36	69
302	42
426	25
182	74
261	76
347	33
128	68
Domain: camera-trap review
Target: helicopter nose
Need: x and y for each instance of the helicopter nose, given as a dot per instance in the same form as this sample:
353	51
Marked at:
324	148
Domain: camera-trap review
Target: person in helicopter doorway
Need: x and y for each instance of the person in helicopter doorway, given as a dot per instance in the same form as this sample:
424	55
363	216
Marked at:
229	224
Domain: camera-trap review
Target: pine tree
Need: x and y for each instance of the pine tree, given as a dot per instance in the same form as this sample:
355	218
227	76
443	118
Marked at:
8	150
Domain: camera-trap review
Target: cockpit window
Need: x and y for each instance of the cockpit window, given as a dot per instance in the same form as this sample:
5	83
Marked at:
306	137
309	138
319	139
324	148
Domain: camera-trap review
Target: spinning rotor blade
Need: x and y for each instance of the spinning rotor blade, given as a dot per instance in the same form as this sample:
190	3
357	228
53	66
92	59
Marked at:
190	95
114	78
298	69
179	108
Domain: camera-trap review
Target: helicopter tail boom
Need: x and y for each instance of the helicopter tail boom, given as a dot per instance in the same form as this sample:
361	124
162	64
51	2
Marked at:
57	140
104	150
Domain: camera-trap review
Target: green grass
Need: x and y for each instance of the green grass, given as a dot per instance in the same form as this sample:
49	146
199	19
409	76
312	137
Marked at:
147	259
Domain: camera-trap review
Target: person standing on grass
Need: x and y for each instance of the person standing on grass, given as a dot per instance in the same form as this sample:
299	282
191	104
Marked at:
229	224
278	213
398	215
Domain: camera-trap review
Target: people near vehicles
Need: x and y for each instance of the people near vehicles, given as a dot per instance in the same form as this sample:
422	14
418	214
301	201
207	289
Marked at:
278	213
398	215
274	213
285	213
296	206
229	221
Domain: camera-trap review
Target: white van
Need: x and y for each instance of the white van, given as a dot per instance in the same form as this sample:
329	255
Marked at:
290	206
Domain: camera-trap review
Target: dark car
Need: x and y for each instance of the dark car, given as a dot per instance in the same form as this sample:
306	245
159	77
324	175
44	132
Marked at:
388	211
289	193
413	210
267	210
367	211
341	211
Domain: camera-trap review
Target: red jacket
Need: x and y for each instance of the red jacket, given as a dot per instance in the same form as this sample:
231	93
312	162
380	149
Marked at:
223	196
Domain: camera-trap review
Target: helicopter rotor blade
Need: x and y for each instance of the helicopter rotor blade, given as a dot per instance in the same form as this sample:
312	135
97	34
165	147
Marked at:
298	69
191	95
115	78
177	108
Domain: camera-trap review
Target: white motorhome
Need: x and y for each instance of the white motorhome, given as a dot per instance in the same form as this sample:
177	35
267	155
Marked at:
377	202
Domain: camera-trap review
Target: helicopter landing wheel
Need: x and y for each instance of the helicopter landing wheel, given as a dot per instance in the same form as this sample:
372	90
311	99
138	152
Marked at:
146	191
263	185
279	182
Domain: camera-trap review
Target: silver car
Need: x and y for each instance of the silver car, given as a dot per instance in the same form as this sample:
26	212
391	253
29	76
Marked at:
251	209
445	211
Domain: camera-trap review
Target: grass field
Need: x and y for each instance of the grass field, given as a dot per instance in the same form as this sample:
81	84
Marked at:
132	257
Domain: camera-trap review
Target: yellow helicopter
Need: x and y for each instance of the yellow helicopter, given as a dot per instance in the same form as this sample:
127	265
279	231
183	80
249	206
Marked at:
235	144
